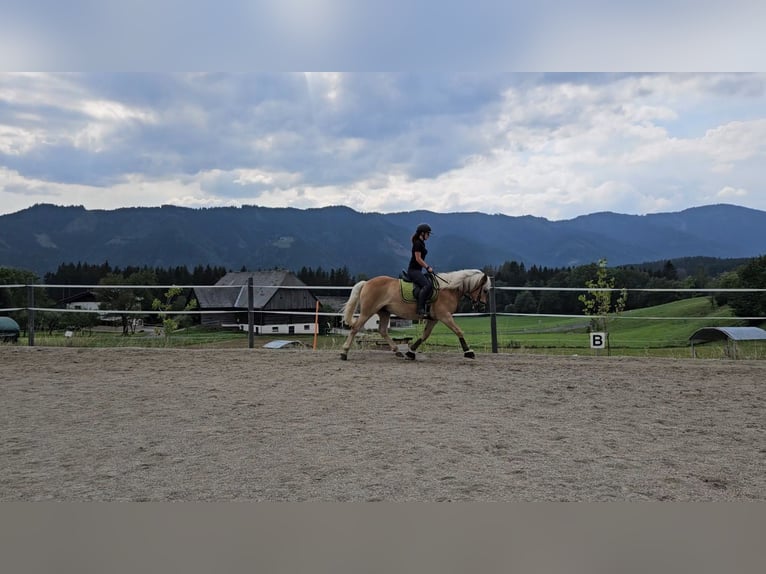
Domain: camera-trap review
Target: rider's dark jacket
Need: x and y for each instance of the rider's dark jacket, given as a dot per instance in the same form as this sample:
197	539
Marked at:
417	245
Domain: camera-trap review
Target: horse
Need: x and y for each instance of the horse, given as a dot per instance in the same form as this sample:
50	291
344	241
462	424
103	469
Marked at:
382	295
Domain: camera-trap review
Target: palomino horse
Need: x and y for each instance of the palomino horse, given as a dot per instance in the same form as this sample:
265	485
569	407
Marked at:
382	295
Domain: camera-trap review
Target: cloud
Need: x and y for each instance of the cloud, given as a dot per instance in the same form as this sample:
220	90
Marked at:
729	193
552	145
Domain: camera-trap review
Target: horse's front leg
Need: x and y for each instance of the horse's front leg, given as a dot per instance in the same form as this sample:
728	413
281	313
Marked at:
430	324
450	322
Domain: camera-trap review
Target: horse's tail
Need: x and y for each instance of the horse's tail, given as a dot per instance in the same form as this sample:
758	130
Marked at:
349	308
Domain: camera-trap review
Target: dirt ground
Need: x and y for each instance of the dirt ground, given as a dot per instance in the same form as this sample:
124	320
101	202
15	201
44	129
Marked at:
300	425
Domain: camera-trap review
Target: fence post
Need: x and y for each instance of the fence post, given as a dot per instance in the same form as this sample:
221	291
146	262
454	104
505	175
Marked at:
250	321
30	315
493	314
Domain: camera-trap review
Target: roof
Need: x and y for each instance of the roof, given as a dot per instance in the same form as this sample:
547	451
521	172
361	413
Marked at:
236	296
734	333
332	302
80	297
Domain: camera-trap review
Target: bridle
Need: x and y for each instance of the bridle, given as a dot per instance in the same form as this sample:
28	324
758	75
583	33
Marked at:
475	296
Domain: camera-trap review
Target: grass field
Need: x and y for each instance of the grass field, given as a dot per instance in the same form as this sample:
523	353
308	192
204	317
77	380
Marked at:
661	331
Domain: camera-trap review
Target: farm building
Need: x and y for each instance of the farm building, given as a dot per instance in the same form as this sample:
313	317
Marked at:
280	303
84	300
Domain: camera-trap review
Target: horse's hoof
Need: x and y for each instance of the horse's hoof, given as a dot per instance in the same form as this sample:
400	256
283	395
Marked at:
469	355
343	357
410	355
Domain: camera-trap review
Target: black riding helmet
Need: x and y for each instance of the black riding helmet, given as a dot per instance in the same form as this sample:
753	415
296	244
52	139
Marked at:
423	228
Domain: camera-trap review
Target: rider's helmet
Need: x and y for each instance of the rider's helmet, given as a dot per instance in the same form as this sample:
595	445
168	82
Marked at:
423	228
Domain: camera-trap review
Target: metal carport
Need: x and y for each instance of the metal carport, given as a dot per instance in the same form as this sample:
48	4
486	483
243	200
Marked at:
9	330
731	334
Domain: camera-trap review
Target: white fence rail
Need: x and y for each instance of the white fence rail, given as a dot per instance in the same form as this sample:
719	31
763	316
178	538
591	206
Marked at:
492	312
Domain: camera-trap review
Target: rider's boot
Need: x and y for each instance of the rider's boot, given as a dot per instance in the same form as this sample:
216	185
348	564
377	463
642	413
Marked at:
421	312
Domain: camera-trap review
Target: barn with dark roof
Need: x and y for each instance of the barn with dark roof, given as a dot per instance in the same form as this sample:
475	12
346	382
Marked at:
279	297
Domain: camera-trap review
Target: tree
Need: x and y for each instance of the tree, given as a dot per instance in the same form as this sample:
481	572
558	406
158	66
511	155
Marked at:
598	301
669	271
81	321
727	280
174	301
512	273
16	297
525	303
751	276
117	298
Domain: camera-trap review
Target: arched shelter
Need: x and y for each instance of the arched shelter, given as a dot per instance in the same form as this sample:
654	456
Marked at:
9	330
730	334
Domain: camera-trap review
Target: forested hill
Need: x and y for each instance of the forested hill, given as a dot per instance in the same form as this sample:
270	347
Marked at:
43	237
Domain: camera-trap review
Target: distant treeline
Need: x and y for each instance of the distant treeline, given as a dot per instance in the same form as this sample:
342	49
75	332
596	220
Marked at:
513	274
685	273
93	274
320	277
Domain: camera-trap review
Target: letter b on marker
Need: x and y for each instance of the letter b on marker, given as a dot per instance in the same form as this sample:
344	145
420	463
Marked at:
597	340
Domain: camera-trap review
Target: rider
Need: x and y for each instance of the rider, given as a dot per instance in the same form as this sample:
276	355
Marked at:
418	264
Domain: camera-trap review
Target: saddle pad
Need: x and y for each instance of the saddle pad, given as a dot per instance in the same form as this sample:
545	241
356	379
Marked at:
407	287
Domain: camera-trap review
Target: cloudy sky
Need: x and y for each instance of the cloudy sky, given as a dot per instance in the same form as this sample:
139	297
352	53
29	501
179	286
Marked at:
549	145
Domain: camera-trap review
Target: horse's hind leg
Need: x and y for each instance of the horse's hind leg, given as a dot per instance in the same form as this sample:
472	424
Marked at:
385	318
358	325
350	339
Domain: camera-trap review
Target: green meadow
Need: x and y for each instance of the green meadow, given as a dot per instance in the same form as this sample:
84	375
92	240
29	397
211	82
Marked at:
663	330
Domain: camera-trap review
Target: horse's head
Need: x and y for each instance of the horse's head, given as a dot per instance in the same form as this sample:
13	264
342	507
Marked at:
477	290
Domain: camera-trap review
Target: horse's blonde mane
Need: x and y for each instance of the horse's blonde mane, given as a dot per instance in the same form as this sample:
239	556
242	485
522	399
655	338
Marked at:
466	278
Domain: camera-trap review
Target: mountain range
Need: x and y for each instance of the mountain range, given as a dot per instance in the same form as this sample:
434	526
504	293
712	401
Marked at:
42	237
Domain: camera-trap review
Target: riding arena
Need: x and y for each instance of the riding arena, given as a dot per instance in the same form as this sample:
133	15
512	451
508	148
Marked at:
138	424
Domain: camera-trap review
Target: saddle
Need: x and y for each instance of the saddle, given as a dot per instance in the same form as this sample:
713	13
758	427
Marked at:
410	291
